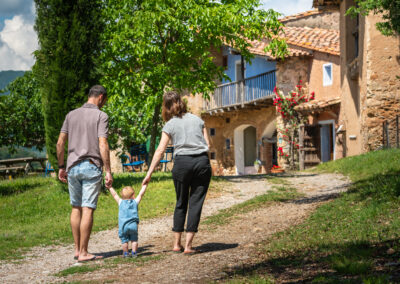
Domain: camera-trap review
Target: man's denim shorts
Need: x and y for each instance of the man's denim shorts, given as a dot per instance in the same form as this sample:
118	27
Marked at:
84	184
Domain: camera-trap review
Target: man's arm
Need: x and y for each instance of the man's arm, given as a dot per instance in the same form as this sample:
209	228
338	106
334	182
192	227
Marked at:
114	194
62	139
140	195
105	156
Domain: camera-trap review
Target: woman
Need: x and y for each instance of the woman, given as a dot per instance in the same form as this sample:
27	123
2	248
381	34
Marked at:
191	172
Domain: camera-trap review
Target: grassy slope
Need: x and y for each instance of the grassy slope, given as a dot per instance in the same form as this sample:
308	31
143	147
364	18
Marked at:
35	211
346	240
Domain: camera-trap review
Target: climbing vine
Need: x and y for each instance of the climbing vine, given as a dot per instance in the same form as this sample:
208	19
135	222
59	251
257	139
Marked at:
291	120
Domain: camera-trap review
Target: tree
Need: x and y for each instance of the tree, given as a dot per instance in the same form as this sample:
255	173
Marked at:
69	41
158	44
389	9
21	119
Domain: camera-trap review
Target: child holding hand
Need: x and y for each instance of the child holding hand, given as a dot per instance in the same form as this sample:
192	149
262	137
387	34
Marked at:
128	217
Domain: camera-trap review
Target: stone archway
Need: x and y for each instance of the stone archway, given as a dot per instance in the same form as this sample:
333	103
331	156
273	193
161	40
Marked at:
245	149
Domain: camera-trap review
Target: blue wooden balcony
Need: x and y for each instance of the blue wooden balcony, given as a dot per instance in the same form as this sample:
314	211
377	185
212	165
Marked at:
249	91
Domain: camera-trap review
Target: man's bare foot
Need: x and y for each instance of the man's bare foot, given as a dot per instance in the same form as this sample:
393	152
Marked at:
89	257
76	254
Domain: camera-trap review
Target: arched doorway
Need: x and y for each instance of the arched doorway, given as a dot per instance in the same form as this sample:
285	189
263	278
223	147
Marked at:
245	149
250	147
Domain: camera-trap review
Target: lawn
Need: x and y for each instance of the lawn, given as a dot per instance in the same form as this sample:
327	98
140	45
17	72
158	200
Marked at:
353	239
35	211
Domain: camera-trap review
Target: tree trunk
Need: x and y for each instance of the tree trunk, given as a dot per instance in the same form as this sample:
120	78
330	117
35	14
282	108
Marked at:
154	130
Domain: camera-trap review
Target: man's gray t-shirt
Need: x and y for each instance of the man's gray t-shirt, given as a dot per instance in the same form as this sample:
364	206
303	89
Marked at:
84	126
186	134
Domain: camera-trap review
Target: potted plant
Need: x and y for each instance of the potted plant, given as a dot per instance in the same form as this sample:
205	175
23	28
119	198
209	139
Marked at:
257	165
276	169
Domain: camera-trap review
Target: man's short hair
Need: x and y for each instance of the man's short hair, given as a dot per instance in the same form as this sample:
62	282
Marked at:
97	90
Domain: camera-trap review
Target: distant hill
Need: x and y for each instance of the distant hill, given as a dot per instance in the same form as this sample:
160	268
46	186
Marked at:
7	77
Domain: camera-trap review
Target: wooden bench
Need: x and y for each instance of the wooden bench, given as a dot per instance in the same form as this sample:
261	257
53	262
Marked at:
12	167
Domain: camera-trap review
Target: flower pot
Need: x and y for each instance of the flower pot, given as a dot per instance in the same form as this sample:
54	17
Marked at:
277	171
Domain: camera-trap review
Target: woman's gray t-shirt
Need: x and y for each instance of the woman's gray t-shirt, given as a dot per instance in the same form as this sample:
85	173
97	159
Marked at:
186	134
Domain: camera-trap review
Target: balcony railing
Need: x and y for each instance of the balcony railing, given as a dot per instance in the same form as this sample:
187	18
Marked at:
239	93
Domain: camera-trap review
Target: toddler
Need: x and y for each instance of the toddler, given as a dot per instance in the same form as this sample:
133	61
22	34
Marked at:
128	217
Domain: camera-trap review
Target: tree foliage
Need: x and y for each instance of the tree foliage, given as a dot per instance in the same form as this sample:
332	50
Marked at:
158	44
389	9
69	41
21	119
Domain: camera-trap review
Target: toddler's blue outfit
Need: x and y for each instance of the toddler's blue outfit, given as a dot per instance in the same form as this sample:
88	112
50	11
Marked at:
128	220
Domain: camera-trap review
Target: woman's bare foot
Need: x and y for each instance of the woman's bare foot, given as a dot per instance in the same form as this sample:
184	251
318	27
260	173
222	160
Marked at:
190	251
177	249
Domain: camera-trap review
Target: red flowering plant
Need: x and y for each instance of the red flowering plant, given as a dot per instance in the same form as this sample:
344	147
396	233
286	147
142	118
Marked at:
285	106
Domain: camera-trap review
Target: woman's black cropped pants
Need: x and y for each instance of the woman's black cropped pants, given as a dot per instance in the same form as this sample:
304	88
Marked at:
191	175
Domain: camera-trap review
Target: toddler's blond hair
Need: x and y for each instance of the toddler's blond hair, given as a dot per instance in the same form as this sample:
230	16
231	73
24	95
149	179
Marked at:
127	192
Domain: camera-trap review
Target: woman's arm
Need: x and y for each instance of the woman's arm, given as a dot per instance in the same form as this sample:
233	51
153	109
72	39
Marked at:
114	194
157	157
205	134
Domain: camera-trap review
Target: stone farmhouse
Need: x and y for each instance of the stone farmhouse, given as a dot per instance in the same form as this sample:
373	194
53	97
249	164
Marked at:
369	78
240	115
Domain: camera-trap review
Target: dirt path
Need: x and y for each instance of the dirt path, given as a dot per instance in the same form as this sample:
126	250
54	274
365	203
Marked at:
226	246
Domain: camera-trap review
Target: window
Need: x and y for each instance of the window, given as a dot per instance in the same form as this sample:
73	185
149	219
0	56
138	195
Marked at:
225	62
212	131
212	155
228	143
327	74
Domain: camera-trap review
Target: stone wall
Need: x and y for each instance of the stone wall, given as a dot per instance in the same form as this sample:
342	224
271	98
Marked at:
382	84
370	87
326	20
225	123
290	71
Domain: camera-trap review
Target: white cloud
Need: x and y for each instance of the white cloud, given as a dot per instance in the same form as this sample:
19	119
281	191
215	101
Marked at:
288	7
18	41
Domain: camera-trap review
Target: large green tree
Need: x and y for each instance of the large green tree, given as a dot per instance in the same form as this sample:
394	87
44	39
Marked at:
158	44
389	9
69	42
21	119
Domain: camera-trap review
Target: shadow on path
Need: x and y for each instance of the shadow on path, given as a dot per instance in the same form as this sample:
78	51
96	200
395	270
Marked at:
143	251
209	247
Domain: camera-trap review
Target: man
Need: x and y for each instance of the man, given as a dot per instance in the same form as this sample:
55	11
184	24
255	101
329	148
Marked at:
86	129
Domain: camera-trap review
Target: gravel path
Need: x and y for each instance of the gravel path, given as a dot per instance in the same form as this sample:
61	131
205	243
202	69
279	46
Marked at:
222	248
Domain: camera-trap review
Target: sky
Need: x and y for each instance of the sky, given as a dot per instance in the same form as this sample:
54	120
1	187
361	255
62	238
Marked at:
18	40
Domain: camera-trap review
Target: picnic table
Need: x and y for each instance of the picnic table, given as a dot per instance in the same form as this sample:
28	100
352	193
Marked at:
20	165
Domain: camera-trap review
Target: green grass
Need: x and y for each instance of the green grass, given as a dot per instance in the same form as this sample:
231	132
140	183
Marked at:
280	194
345	240
78	270
35	211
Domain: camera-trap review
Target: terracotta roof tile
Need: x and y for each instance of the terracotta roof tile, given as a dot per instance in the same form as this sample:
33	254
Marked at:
322	40
302	41
301	15
317	105
259	46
